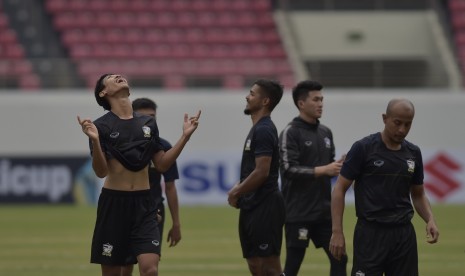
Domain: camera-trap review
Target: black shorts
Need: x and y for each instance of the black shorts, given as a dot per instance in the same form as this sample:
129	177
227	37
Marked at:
261	229
126	227
299	234
161	224
389	249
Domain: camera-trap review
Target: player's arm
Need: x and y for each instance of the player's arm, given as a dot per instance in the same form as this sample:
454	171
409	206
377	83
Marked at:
290	159
331	169
289	156
99	162
174	234
422	206
163	160
253	181
337	245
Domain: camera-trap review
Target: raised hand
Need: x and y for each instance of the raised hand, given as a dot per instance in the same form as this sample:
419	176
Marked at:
88	128
190	124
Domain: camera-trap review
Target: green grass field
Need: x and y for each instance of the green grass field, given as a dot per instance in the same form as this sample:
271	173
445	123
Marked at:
55	240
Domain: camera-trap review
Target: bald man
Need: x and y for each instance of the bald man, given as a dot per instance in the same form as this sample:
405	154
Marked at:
388	174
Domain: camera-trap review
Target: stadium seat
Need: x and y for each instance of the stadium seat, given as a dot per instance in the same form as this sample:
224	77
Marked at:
224	39
14	65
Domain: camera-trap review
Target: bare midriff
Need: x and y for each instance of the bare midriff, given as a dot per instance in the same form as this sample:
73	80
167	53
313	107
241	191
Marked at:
122	179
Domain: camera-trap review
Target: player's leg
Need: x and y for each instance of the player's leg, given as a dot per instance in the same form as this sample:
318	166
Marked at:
148	264
270	248
371	246
321	235
260	232
127	270
145	237
111	270
255	266
337	267
297	239
403	260
294	258
110	242
271	266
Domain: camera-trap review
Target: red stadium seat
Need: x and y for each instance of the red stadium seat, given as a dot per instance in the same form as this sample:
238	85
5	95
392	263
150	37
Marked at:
171	39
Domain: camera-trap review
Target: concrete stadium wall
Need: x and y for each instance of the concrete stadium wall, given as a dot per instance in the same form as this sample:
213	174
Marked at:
44	125
45	122
327	35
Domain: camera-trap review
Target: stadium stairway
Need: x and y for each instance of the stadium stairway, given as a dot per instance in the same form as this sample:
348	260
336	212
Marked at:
42	46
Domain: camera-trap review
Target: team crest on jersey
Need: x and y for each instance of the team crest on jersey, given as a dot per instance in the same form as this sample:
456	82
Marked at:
247	145
411	166
303	234
146	131
327	143
107	248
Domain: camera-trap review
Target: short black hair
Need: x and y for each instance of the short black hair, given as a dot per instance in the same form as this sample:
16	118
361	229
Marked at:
300	91
272	89
99	86
144	103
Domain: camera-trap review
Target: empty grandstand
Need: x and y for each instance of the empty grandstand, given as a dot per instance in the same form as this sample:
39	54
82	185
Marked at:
176	44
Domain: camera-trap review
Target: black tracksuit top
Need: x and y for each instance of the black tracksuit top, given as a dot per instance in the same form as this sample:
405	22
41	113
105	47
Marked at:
302	147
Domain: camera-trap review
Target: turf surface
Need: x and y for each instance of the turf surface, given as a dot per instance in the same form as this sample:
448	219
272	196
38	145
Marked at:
46	240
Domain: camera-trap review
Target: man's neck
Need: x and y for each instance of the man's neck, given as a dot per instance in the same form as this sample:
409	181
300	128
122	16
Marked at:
122	107
389	143
257	116
307	119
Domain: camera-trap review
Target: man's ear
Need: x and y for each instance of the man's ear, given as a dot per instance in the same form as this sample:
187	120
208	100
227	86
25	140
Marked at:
102	93
266	101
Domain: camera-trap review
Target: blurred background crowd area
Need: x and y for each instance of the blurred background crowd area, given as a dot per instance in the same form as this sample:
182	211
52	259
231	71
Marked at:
227	44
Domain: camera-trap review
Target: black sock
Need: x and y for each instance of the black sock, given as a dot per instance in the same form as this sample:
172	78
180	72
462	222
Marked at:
294	258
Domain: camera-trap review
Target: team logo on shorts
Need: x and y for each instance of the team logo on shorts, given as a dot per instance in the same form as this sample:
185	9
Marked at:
155	242
303	234
359	273
327	142
411	166
263	246
146	131
107	248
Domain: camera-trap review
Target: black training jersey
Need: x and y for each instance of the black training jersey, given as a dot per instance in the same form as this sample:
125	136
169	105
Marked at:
302	147
262	140
132	142
383	178
155	177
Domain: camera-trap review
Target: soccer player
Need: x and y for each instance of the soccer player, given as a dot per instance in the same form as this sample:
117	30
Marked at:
388	175
307	164
261	204
148	107
123	144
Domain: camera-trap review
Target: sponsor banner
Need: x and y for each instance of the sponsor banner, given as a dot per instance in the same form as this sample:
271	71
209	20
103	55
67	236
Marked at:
39	180
205	178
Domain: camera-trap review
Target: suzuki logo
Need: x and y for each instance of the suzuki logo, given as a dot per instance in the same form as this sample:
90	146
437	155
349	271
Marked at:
441	169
